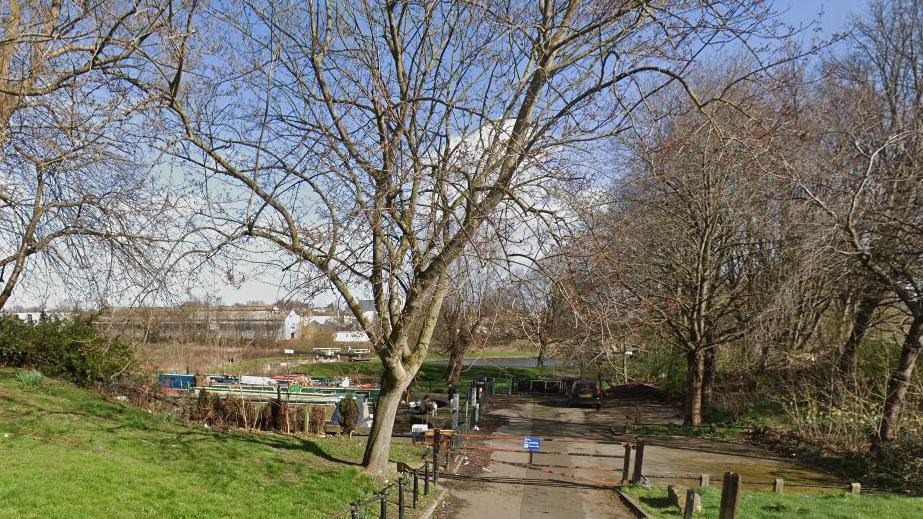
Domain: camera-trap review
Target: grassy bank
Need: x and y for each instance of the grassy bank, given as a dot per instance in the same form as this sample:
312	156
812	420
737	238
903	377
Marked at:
759	505
432	373
68	453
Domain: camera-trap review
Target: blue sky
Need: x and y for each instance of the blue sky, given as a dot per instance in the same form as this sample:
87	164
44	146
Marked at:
830	15
835	12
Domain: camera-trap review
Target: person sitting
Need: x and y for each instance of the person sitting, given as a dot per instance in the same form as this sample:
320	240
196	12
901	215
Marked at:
426	406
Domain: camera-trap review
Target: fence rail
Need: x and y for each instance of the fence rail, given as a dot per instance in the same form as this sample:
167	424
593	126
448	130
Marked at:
731	484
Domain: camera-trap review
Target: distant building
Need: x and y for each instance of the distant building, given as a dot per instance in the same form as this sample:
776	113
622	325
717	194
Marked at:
291	326
192	321
34	316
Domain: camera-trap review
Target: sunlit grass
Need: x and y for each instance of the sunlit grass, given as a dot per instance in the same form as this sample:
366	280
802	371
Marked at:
759	505
68	453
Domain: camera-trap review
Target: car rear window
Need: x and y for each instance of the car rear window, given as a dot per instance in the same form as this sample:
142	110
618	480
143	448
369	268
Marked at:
584	386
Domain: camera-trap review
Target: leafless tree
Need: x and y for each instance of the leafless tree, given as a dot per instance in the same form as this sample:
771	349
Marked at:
540	311
76	189
372	140
869	126
686	226
469	312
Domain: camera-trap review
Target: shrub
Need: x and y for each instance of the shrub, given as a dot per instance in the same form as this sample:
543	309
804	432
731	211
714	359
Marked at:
65	348
317	418
30	379
349	414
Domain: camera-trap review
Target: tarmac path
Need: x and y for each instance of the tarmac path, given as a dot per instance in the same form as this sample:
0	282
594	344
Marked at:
556	485
582	460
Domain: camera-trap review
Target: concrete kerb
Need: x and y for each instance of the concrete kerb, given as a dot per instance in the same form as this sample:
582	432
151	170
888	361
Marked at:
632	504
440	497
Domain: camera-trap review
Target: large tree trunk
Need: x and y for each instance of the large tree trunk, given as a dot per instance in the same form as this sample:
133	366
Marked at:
898	383
694	376
708	379
861	322
378	448
456	361
399	371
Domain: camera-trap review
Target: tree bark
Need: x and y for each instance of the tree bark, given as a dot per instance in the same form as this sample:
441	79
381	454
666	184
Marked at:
708	379
378	448
456	361
694	376
898	383
861	322
540	359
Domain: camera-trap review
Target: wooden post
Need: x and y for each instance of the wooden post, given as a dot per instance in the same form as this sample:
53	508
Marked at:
425	477
704	480
626	464
383	497
639	462
416	489
855	489
689	507
437	444
730	496
448	450
778	485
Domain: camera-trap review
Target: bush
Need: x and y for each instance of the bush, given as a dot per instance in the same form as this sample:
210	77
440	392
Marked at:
349	414
30	379
65	348
317	418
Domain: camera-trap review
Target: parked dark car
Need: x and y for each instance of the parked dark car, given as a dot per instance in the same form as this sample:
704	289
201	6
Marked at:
585	392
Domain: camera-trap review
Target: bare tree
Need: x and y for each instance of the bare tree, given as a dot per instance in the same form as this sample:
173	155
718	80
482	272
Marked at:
371	140
74	188
870	126
685	225
540	311
469	312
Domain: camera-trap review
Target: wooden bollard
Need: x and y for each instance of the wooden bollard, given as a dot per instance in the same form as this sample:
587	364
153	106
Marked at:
855	489
689	506
730	496
704	480
778	485
639	462
626	464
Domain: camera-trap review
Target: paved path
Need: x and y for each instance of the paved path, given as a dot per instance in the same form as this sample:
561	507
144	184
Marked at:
556	486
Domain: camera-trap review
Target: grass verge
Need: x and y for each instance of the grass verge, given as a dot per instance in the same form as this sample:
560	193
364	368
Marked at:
69	453
759	505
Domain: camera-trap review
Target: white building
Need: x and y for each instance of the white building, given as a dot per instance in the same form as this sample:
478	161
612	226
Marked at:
290	325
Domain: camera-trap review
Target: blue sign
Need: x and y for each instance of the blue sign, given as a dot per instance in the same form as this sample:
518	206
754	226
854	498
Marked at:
531	444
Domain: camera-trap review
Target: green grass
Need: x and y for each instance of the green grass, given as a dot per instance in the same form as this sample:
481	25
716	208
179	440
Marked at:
486	354
433	370
68	453
758	505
